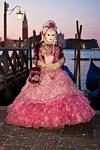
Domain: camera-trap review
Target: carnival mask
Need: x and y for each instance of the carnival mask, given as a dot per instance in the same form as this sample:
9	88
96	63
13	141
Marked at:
50	36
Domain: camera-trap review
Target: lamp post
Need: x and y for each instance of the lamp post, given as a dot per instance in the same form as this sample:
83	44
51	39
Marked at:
18	15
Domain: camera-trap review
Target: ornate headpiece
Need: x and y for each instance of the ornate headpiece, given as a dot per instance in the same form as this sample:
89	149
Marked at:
49	24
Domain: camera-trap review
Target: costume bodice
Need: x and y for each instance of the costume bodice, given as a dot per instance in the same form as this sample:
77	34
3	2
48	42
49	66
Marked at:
49	51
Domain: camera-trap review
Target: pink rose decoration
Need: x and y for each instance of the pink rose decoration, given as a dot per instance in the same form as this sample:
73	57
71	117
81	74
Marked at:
51	25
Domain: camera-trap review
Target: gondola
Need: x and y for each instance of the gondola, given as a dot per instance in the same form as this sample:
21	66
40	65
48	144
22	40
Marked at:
68	71
93	86
94	98
93	77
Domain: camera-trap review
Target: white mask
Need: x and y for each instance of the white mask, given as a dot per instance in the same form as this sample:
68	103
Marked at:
50	36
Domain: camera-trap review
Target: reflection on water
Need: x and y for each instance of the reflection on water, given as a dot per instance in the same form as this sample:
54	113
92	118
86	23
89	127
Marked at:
87	53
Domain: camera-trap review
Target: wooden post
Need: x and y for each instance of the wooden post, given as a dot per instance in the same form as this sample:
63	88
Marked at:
30	55
7	42
78	54
5	70
19	42
27	61
6	52
40	37
5	64
5	25
33	38
14	63
19	45
75	60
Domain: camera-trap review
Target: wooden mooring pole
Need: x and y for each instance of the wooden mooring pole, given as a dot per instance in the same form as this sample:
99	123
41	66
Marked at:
33	38
19	42
77	57
75	60
30	53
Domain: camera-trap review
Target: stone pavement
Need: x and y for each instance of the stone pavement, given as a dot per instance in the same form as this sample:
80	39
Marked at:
76	137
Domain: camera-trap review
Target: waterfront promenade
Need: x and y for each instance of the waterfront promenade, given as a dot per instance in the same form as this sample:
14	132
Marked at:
77	137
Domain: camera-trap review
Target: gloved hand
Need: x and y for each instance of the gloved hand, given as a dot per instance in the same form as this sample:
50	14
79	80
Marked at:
55	65
41	64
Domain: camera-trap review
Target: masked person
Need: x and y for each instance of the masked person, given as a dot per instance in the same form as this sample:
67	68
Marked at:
49	99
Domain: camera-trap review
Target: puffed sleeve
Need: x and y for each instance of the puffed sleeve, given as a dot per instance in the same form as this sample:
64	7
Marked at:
36	54
61	56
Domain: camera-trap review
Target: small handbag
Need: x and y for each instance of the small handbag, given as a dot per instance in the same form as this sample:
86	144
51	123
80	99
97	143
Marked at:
34	75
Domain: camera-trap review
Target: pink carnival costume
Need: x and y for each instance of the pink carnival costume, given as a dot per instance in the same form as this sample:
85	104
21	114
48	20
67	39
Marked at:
54	100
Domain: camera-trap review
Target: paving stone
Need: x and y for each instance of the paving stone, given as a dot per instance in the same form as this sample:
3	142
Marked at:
14	147
80	130
52	132
22	136
20	141
96	120
27	132
64	148
78	143
48	139
2	115
46	142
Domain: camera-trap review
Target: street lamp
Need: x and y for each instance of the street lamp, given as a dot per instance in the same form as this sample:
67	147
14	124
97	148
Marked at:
18	15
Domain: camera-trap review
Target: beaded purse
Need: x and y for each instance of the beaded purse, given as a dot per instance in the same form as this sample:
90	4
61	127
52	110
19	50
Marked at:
34	75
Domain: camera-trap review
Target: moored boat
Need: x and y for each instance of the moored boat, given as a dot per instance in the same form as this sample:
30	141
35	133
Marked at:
68	71
93	77
94	97
93	86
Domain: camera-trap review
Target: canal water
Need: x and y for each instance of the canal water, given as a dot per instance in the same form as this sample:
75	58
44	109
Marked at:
85	53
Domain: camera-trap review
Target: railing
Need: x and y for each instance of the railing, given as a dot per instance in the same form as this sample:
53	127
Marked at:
13	65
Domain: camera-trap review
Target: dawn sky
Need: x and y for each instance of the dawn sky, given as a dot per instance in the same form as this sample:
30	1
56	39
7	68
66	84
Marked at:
63	12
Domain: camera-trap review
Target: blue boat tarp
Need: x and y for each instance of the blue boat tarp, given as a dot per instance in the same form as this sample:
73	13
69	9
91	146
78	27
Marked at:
93	77
94	98
68	71
94	93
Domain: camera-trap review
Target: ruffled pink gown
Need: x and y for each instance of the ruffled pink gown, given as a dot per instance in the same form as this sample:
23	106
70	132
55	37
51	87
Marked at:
52	103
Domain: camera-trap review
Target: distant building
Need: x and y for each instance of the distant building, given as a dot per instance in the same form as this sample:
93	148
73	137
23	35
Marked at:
61	40
13	43
85	44
70	43
89	43
24	27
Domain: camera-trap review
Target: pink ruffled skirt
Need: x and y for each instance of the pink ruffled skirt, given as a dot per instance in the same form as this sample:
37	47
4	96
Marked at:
52	103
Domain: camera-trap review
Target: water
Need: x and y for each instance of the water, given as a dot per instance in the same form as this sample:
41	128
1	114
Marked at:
85	53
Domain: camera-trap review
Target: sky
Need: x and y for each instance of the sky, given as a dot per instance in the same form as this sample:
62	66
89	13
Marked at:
64	13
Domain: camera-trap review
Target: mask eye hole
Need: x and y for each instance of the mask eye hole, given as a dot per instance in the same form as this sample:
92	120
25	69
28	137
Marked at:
48	34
